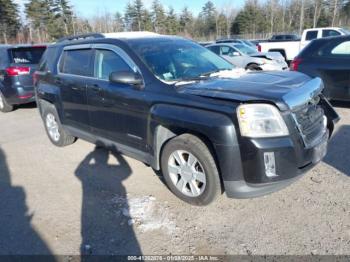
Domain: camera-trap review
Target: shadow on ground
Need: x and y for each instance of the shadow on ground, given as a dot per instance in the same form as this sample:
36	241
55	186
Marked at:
104	229
17	236
25	106
338	151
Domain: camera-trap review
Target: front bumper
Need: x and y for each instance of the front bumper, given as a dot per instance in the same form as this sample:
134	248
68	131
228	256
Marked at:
291	163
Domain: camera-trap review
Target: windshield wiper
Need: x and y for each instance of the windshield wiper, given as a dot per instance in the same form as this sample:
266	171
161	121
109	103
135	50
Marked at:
203	76
208	74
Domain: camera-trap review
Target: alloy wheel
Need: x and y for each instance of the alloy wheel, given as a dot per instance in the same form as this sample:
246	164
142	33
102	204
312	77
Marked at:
52	127
1	102
187	173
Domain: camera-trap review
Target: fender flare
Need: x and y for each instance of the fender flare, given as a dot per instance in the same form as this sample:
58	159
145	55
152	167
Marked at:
48	94
168	121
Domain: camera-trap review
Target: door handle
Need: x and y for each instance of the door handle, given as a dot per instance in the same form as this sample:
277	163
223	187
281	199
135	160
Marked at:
58	81
77	88
96	88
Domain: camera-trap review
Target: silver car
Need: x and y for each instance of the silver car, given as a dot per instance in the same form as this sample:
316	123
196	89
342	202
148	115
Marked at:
243	56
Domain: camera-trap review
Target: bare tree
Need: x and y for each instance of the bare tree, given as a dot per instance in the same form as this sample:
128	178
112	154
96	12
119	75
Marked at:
335	11
318	5
302	11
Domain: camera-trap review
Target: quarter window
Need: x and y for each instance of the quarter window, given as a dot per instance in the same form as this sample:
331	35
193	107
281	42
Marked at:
76	62
106	62
342	49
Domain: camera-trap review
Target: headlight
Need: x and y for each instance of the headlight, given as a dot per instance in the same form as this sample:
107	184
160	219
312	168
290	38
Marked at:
261	120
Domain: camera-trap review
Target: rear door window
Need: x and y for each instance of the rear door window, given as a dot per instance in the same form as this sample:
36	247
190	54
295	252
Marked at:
107	62
328	33
215	49
226	50
279	37
311	35
76	62
26	55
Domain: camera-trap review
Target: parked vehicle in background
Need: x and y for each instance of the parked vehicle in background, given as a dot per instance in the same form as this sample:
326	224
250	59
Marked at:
243	56
181	109
284	38
204	44
17	65
328	59
237	41
291	49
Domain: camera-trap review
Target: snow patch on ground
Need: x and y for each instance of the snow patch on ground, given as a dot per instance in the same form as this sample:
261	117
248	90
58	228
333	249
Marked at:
145	213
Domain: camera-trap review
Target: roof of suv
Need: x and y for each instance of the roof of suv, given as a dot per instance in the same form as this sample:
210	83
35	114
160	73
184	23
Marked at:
119	36
130	35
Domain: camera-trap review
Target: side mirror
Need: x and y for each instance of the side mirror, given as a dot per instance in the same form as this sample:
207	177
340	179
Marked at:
126	77
235	54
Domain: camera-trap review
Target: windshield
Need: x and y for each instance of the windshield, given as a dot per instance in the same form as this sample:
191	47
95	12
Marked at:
247	50
345	31
248	43
176	60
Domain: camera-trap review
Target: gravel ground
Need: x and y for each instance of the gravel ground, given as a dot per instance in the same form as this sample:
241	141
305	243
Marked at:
80	199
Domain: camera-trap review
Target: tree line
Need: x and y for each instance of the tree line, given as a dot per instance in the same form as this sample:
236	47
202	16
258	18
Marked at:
48	20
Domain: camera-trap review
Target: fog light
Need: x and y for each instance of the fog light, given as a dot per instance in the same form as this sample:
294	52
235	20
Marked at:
270	164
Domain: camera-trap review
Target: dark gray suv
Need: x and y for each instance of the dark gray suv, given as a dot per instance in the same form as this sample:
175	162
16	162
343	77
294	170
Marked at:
185	111
17	65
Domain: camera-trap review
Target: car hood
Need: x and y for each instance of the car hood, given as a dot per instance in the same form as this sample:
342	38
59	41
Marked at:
269	55
285	89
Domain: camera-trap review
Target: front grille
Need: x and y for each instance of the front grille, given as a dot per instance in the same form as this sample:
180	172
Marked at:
310	120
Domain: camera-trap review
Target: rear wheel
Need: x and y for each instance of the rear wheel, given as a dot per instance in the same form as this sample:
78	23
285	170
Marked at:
56	133
4	106
190	170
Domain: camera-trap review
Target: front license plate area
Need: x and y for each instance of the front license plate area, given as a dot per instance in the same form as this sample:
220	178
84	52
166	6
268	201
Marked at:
320	152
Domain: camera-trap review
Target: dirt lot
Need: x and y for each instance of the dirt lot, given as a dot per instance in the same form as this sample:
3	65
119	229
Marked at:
81	199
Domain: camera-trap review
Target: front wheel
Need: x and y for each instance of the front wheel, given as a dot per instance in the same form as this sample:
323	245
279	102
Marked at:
56	133
253	67
190	170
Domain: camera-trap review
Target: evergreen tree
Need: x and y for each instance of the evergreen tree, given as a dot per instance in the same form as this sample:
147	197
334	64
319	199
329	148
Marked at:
250	20
172	23
118	22
208	15
186	21
64	15
147	21
9	20
129	17
39	15
139	13
158	17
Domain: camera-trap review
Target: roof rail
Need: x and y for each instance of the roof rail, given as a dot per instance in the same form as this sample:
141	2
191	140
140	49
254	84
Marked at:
80	37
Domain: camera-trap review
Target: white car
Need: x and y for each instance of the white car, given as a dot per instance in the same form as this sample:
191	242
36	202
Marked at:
243	56
290	49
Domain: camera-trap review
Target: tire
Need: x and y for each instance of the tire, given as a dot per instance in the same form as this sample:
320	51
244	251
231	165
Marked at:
4	106
253	67
54	130
197	184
